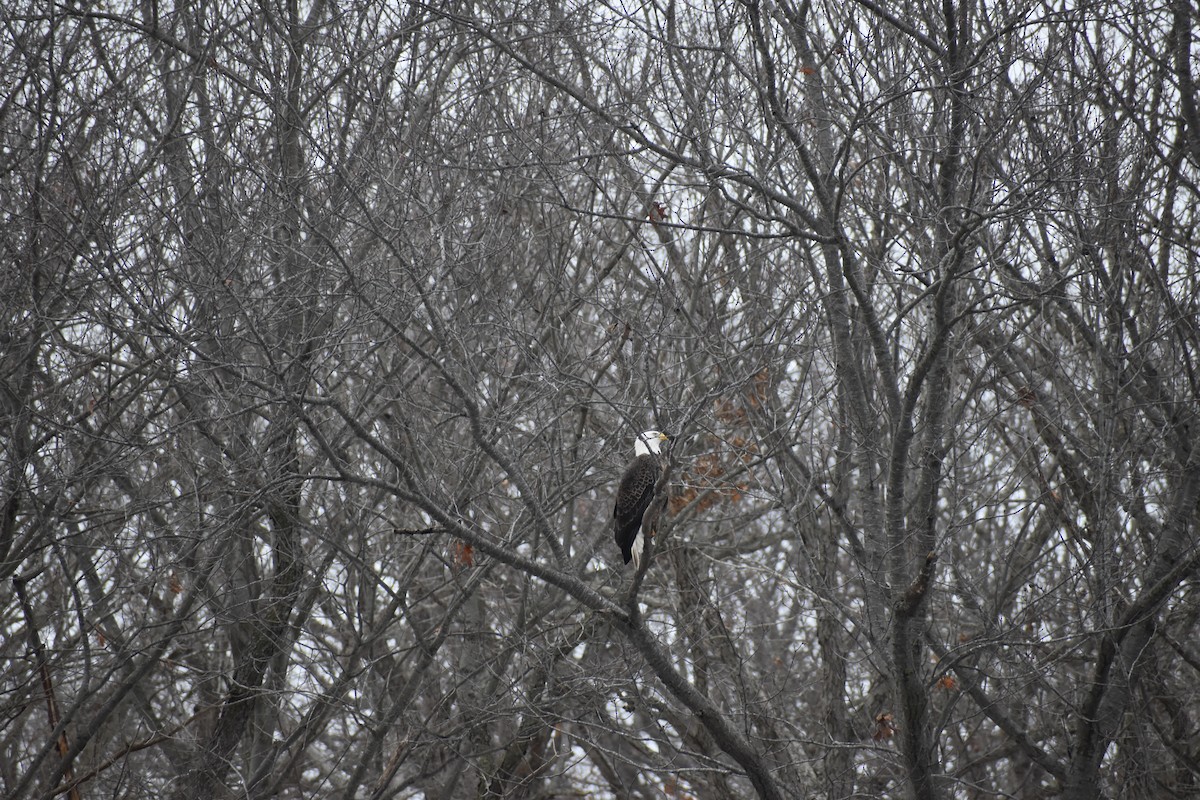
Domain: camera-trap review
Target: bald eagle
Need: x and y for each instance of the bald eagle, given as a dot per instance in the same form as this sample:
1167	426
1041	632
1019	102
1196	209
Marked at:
635	494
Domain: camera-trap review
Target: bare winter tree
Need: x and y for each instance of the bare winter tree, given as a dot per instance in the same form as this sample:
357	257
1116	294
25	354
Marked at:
328	329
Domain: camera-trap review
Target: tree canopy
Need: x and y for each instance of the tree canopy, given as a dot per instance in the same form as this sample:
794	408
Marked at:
327	329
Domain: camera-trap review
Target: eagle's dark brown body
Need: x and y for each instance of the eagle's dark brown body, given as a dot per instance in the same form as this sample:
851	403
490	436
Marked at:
633	498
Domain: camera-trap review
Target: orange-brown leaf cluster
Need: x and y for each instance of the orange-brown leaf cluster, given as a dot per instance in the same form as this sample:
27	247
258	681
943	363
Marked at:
462	555
708	465
760	387
706	480
672	789
885	727
729	412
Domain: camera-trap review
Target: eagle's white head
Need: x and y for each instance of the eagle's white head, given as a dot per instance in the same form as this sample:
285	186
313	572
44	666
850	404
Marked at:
649	442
